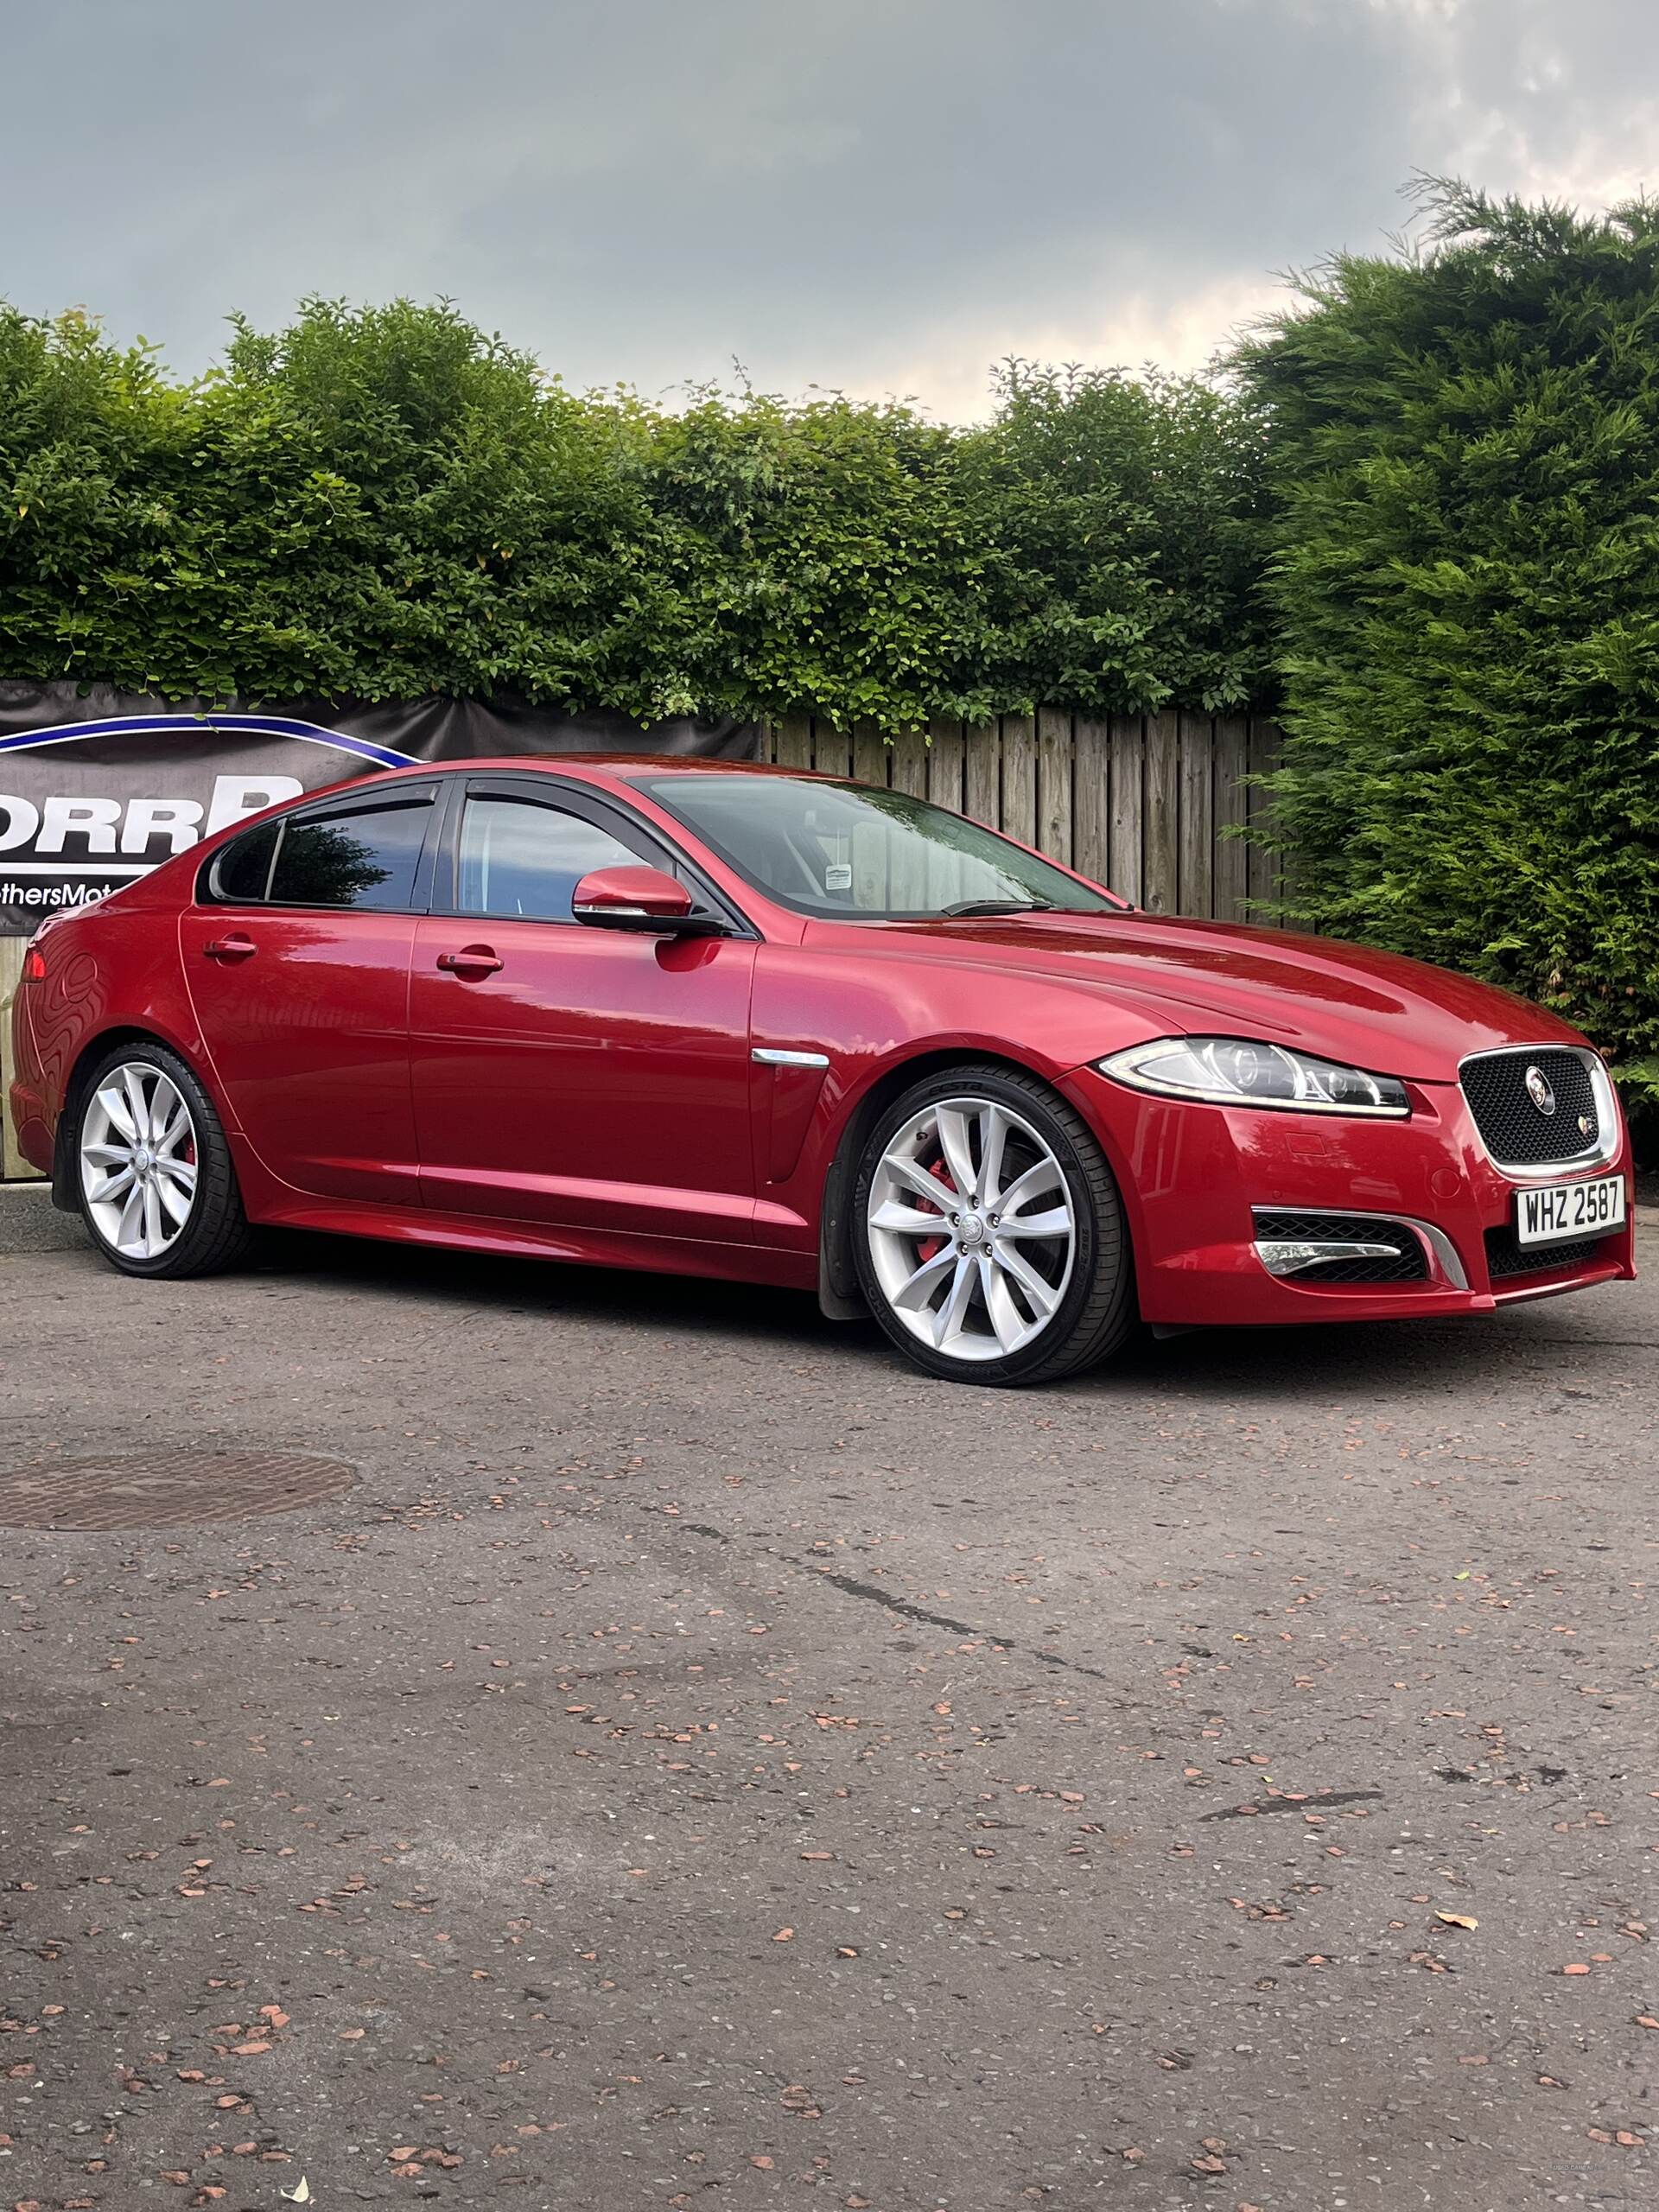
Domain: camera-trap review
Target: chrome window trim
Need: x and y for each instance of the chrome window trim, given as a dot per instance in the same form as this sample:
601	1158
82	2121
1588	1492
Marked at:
1550	1171
1441	1250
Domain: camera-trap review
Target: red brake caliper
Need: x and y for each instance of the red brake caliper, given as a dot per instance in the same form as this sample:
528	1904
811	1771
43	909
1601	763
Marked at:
929	1245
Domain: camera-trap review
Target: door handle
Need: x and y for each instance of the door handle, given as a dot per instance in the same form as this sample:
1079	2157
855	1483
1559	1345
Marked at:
471	960
230	948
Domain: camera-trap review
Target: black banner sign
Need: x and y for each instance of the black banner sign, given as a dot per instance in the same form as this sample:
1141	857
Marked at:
98	787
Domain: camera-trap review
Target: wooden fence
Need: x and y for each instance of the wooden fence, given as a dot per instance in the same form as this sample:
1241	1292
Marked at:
1137	802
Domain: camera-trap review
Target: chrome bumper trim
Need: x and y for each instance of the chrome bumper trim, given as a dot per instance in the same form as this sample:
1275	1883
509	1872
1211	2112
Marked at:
1284	1255
1442	1252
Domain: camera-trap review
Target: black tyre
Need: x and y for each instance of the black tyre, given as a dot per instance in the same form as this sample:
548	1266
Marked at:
152	1170
989	1233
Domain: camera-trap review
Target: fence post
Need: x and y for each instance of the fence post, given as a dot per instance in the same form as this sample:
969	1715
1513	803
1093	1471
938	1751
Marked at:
982	782
832	749
789	741
944	765
1195	864
1161	829
1091	800
909	763
1020	778
1127	875
1055	810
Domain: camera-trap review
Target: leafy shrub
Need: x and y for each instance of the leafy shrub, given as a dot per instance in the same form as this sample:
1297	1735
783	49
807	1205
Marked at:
386	502
1124	538
1464	452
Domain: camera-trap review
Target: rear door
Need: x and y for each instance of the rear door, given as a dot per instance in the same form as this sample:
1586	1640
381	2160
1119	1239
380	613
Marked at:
298	957
588	1077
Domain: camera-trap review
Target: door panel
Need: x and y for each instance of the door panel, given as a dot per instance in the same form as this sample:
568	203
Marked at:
297	965
308	1036
589	1077
595	1079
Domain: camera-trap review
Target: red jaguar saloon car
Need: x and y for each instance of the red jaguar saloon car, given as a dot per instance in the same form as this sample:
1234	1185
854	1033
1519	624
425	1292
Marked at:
783	1028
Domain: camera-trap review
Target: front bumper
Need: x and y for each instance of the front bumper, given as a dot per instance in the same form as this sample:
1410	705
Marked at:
1193	1177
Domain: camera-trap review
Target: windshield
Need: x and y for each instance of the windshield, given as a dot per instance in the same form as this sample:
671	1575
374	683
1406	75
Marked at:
850	852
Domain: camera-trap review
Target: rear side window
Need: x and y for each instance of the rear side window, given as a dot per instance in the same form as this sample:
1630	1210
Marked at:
243	868
365	858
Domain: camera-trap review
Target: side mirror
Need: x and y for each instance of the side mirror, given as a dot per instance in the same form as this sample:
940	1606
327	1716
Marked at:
634	898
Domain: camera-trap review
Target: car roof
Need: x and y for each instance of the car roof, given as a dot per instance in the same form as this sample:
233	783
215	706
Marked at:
627	767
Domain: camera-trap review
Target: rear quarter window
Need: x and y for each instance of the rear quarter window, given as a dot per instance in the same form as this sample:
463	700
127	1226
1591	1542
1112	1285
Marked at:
238	872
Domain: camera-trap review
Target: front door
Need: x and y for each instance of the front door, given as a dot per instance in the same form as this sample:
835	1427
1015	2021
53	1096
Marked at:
588	1077
297	961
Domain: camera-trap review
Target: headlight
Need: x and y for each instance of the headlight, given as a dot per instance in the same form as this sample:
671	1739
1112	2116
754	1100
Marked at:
1239	1071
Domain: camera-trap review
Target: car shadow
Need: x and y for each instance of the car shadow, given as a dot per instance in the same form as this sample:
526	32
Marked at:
1346	1358
694	1305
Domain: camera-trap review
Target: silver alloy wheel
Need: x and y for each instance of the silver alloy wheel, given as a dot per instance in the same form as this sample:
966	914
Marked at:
138	1160
971	1229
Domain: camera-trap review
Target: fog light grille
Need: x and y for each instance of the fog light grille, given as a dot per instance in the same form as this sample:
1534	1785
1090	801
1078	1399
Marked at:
1406	1262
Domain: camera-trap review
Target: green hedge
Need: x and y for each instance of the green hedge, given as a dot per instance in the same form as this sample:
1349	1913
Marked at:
386	503
1465	453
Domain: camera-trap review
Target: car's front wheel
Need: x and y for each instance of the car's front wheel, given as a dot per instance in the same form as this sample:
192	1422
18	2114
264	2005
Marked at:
157	1187
989	1232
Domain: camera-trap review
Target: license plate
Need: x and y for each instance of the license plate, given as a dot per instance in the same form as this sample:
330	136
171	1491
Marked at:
1556	1213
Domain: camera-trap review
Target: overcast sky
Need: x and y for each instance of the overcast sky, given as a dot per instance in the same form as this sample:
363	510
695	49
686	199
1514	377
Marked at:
885	195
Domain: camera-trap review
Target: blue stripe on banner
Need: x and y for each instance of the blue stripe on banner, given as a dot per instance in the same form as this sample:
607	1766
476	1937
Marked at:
255	725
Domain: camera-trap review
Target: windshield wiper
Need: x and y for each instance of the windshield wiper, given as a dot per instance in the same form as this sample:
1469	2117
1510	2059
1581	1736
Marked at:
999	906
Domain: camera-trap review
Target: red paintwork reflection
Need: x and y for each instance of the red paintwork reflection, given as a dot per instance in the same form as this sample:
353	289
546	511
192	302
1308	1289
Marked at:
307	1036
1374	1007
598	1079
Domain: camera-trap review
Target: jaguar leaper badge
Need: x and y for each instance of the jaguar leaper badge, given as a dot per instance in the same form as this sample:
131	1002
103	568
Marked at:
1539	1091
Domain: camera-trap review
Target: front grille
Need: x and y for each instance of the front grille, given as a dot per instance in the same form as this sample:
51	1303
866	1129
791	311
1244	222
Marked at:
1410	1266
1506	1256
1513	1128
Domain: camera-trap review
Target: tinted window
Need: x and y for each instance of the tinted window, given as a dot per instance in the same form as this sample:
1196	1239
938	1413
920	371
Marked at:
846	849
368	858
241	870
524	860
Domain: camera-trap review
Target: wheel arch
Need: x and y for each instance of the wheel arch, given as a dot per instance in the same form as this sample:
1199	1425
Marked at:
91	1051
839	1296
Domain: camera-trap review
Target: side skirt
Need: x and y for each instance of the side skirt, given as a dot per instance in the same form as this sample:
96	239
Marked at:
461	1232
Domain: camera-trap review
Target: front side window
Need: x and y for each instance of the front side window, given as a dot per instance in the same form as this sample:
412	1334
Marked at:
367	858
524	860
849	852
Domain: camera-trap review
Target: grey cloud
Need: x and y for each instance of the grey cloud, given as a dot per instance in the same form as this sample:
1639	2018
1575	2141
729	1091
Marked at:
832	190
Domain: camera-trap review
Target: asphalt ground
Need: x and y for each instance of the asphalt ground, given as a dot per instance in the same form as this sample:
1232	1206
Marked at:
698	1762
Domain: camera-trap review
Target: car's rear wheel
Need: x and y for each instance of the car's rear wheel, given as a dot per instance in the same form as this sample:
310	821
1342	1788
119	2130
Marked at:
157	1187
989	1233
